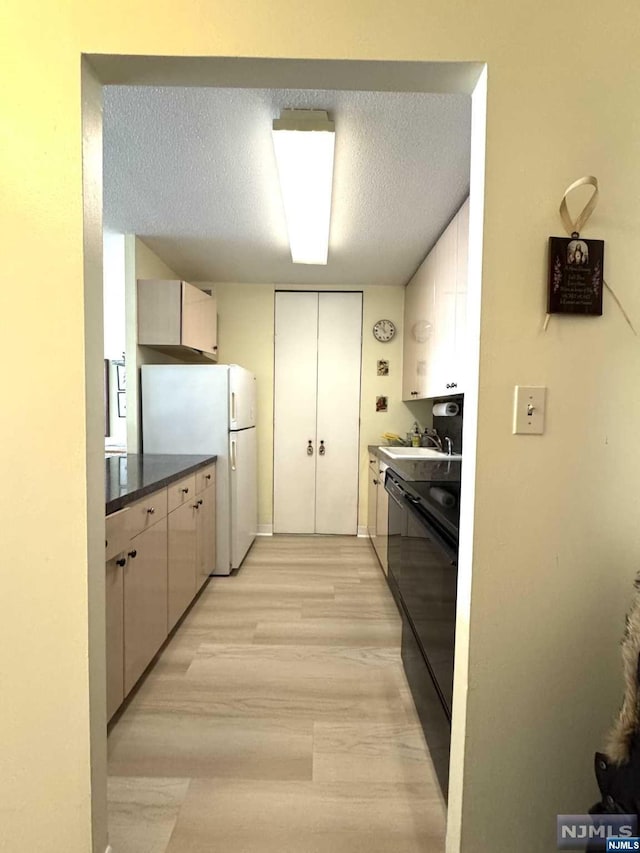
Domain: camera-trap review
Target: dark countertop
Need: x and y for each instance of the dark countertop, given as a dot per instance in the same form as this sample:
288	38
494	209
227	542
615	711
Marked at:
422	470
135	475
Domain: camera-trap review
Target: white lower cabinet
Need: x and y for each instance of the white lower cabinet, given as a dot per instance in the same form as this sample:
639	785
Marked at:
205	535
182	544
372	495
382	520
114	595
377	511
165	557
145	601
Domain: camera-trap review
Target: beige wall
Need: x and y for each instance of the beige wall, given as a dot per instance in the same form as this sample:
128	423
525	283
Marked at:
246	329
555	540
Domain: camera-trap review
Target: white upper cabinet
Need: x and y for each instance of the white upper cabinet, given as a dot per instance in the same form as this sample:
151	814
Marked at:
435	317
174	314
419	316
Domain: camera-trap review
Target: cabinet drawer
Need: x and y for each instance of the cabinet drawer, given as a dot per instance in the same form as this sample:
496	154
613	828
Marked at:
146	512
205	477
180	492
116	533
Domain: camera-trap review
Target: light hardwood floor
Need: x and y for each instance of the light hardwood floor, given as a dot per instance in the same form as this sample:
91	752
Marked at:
279	718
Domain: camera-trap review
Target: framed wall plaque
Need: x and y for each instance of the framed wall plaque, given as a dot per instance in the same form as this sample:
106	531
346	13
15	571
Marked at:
576	270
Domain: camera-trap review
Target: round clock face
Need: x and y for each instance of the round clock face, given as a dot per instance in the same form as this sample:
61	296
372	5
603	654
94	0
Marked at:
384	330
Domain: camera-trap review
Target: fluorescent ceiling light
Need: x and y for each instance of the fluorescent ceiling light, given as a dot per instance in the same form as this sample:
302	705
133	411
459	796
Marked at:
304	142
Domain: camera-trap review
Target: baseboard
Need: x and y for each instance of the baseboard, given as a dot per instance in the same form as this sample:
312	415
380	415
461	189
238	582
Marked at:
265	530
362	532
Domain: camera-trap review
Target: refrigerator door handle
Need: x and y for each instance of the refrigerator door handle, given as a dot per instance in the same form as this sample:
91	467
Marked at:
233	455
233	405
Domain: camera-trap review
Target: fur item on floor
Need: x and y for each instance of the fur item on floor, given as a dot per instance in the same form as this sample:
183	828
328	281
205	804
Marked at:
618	746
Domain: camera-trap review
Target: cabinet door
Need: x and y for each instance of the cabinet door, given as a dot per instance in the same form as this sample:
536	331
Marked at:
182	524
115	633
159	302
145	601
296	370
462	275
206	536
424	330
409	343
441	363
199	319
338	417
382	522
419	310
372	494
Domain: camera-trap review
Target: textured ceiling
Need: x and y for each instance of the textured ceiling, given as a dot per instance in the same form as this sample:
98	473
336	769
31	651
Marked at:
192	172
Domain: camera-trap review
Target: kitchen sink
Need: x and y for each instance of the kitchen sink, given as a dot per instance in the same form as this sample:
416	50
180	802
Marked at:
418	453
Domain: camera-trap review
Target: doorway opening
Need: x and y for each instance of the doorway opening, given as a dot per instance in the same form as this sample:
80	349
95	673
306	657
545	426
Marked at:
461	78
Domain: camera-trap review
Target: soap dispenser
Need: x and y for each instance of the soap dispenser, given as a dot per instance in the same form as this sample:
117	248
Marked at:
415	435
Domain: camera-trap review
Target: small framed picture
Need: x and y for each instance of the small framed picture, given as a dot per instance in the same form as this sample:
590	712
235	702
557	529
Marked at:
382	404
383	367
121	372
122	404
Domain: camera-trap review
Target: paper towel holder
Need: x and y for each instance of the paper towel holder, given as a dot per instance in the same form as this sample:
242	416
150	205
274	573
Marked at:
446	410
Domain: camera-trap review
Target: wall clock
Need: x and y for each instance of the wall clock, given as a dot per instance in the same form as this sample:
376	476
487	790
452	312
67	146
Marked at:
384	330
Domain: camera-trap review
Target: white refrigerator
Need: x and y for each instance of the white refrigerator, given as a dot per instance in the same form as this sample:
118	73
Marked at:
202	408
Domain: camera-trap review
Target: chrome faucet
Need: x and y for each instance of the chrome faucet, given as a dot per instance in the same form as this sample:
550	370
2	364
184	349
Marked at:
434	438
449	445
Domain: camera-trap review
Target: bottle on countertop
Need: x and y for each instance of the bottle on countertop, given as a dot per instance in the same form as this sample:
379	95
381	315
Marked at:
415	435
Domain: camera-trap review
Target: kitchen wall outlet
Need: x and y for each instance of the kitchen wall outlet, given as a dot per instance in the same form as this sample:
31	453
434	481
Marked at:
529	403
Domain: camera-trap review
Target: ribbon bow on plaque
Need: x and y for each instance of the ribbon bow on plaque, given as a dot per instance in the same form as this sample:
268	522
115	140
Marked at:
576	265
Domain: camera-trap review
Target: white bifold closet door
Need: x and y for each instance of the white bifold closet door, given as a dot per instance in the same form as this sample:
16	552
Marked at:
318	346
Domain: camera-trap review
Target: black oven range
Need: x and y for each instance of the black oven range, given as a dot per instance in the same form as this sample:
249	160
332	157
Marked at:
423	558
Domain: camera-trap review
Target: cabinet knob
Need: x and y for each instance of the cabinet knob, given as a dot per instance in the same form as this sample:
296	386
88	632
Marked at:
133	554
322	449
121	562
194	506
454	384
375	482
185	491
207	476
151	510
200	502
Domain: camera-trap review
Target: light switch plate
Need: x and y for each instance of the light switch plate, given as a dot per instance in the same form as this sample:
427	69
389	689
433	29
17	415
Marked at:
529	403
